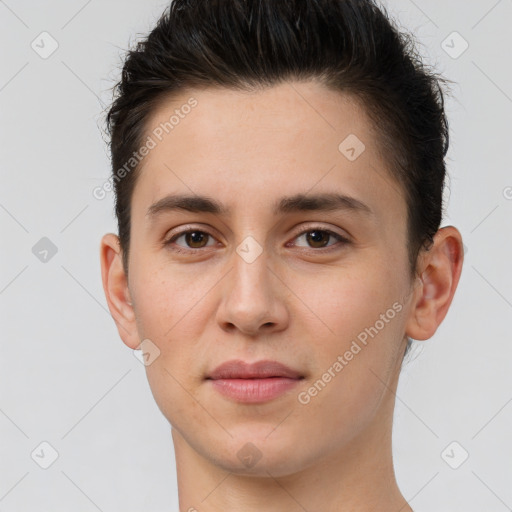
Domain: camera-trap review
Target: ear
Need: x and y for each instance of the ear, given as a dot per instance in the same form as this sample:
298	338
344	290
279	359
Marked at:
115	286
440	269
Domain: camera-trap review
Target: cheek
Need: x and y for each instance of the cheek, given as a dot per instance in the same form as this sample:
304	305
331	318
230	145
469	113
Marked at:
167	298
359	336
173	310
355	359
170	312
346	304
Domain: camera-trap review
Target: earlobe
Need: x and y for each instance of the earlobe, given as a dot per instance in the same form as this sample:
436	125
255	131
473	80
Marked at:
442	267
115	287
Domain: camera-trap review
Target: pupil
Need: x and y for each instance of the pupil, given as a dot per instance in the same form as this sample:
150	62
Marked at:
192	237
318	234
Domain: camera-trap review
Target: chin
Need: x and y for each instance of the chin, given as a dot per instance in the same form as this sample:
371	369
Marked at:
256	453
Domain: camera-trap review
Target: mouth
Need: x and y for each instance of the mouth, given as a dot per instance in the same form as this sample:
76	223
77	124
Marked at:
237	369
253	383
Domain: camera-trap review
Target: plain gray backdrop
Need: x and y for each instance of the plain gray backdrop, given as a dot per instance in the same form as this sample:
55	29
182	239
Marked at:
75	399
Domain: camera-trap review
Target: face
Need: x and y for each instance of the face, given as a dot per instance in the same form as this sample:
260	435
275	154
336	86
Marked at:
283	272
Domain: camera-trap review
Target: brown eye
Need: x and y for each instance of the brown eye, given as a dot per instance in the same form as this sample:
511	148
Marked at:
317	238
194	239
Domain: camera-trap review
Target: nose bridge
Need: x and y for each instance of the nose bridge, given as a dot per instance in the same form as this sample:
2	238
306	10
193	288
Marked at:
250	257
250	276
251	298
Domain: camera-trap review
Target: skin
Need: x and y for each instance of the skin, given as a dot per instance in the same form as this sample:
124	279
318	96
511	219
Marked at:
295	303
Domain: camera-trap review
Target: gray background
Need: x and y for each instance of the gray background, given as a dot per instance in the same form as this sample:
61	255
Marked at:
68	380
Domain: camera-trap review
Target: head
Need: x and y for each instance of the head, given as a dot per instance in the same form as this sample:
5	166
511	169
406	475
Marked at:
256	109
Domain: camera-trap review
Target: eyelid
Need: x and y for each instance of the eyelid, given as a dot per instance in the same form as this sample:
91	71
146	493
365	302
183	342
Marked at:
188	228
314	226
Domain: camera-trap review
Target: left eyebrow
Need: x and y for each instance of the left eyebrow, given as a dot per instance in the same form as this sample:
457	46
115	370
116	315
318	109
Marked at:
321	202
285	205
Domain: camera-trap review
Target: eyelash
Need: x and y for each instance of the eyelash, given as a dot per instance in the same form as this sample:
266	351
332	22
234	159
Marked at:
343	240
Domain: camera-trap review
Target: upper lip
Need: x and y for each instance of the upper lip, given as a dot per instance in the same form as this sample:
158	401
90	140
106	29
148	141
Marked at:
237	369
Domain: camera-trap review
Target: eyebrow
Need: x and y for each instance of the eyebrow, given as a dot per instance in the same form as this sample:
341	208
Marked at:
296	203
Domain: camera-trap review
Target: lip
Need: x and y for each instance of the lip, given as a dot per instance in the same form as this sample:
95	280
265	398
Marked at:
253	382
238	369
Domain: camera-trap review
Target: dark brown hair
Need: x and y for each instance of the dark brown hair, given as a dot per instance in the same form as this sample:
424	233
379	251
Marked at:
351	46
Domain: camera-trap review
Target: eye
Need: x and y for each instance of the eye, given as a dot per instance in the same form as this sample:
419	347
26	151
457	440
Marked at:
194	238
318	237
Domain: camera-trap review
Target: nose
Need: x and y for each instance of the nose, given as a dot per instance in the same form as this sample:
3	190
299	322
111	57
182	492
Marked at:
253	298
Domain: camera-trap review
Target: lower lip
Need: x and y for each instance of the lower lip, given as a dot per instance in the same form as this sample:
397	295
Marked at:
254	390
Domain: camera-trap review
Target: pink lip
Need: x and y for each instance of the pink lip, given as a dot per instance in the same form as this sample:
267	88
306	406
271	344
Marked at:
253	383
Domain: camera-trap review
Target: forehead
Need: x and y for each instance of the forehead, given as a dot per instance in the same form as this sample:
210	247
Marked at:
246	149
